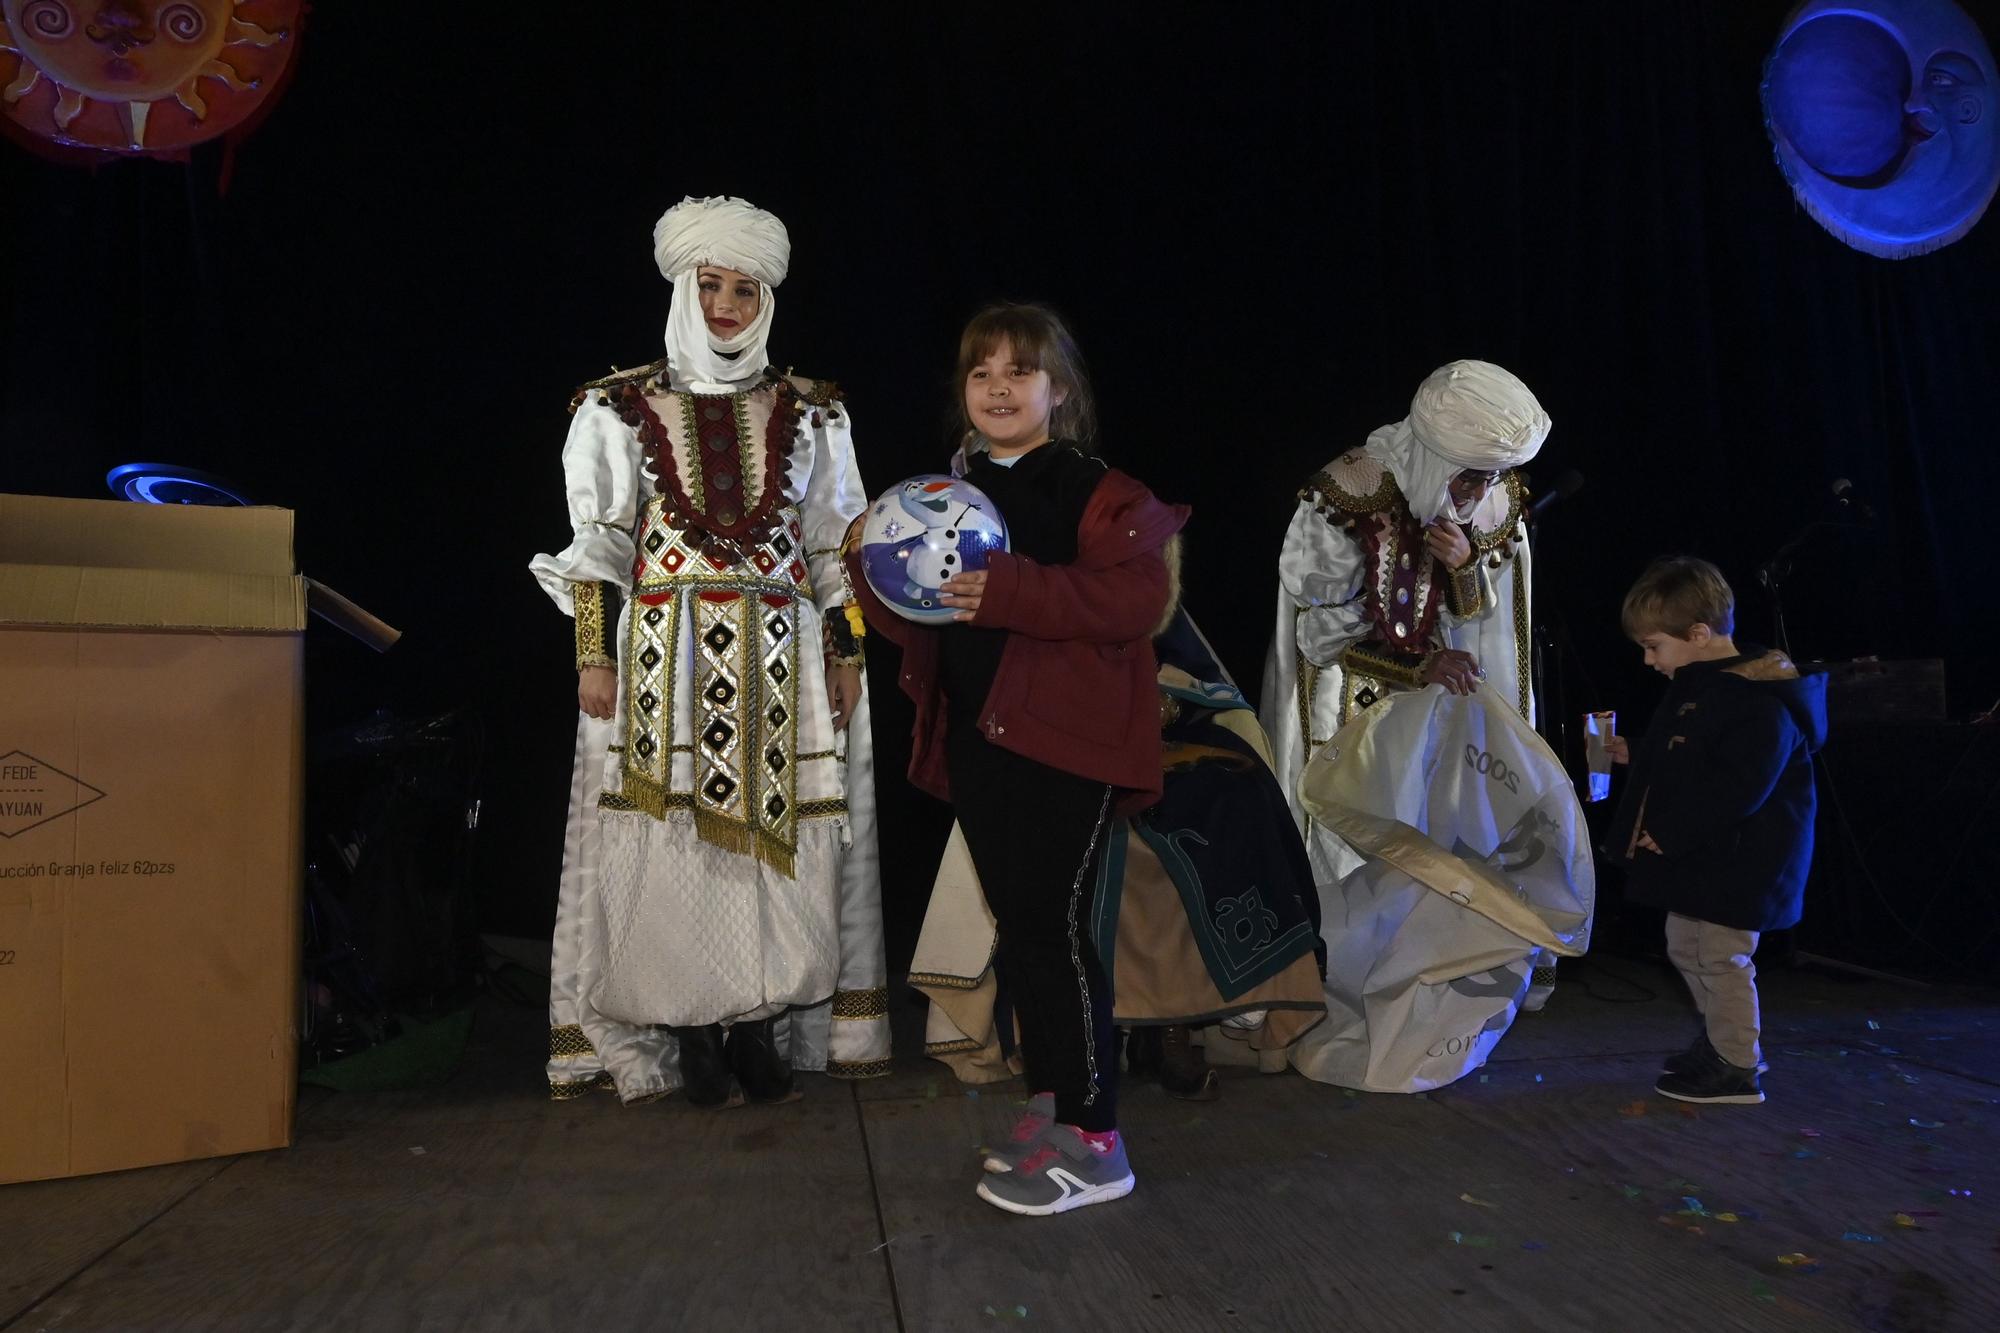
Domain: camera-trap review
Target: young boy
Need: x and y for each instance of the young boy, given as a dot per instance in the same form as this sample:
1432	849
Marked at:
1716	825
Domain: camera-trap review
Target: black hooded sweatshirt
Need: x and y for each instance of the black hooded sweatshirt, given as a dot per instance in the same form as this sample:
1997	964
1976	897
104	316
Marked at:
1723	783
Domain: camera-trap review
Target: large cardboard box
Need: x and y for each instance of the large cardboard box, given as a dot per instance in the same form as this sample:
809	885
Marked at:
150	754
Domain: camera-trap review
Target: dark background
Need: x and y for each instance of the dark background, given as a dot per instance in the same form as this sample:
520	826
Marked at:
1267	223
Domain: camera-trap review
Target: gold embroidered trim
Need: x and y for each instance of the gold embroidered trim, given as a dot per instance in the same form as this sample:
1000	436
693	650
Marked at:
820	393
569	1043
744	621
1322	490
615	377
592	648
1491	540
952	1047
816	754
1308	686
1524	646
648	1098
652	799
823	809
947	982
562	1090
691	475
1463	592
1390	668
857	1068
867	1004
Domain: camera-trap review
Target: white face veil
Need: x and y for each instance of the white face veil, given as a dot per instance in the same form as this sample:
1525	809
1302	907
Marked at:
724	233
1467	415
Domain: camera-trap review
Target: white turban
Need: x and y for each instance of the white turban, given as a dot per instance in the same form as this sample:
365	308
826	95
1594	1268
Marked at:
1469	414
725	233
1478	415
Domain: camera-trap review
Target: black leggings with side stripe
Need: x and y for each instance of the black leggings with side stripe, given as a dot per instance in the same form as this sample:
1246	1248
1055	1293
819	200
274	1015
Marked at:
1035	834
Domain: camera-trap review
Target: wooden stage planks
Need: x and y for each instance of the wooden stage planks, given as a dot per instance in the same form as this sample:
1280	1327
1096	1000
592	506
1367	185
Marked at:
1286	1205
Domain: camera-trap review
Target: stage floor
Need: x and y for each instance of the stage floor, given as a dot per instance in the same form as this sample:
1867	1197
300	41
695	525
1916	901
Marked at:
1550	1191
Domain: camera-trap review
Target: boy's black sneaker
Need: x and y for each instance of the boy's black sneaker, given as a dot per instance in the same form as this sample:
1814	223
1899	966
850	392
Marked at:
1698	1057
1718	1082
1693	1058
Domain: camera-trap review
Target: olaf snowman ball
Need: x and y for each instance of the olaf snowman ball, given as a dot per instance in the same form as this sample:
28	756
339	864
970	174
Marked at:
919	534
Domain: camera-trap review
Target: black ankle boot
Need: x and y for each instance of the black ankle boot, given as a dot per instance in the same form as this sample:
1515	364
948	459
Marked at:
704	1066
1142	1051
766	1075
1183	1073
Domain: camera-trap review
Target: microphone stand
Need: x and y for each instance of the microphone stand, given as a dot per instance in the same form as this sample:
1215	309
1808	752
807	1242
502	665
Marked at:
1773	573
1545	669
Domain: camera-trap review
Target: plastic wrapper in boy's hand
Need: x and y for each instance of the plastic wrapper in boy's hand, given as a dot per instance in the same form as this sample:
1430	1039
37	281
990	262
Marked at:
1599	731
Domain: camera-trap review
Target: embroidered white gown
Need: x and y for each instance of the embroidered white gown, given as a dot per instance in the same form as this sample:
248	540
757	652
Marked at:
720	859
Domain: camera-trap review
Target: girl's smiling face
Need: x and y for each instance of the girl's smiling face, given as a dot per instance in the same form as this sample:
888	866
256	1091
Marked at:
1009	403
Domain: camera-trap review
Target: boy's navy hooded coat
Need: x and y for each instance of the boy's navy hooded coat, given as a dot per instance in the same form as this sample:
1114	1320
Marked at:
1723	783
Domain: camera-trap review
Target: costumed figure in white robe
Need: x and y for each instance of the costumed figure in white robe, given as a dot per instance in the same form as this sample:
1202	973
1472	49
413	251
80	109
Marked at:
719	921
1367	611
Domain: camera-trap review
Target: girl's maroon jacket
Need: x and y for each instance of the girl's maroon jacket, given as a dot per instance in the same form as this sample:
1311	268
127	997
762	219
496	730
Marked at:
1077	687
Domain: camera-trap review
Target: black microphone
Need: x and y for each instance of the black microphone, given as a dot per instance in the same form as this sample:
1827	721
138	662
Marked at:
1849	502
1568	484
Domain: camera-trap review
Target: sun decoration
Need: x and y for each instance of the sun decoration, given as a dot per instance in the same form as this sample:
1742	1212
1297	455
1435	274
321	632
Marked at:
140	76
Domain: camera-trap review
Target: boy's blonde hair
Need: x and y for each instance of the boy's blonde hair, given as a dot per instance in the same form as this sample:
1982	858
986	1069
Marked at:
1674	595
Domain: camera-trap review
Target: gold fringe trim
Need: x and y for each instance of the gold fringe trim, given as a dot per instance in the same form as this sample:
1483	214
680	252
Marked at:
758	844
643	796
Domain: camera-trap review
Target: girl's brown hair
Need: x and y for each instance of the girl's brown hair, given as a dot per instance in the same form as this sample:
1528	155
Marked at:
1040	341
